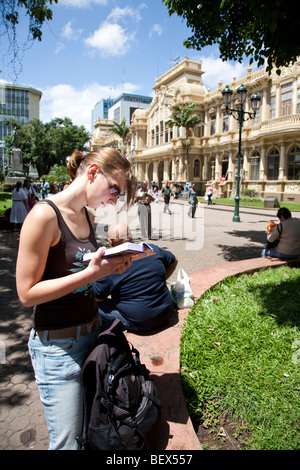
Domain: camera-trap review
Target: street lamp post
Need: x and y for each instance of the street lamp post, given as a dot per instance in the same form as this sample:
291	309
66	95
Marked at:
241	116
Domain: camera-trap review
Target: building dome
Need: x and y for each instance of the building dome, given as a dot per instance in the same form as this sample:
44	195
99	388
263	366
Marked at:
139	115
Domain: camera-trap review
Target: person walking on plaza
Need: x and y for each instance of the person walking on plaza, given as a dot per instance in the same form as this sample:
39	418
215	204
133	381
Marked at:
288	233
52	278
19	208
44	188
155	190
210	192
166	193
144	199
139	297
193	201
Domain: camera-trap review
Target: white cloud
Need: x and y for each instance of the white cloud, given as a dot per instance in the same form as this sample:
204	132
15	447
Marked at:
157	29
111	39
64	100
69	33
81	3
215	70
120	13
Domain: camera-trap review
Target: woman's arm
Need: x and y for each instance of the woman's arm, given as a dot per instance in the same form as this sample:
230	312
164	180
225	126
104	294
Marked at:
39	232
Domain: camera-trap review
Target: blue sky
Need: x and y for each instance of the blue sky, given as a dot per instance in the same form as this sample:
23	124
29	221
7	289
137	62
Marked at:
95	49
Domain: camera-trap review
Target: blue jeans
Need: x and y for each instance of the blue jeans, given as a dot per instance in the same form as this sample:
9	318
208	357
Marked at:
108	311
276	254
57	366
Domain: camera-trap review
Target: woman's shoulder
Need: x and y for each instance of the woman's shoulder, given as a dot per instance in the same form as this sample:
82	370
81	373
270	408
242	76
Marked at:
42	213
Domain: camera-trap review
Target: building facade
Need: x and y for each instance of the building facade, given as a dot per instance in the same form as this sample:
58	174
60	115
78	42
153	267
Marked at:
270	163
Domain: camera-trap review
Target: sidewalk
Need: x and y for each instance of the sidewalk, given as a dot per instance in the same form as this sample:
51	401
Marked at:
211	239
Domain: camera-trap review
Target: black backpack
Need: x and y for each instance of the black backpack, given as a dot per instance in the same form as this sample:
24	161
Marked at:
121	405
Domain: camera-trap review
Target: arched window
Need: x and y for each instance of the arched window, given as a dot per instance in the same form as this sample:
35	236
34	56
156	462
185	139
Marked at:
224	171
236	161
254	166
196	168
273	165
294	164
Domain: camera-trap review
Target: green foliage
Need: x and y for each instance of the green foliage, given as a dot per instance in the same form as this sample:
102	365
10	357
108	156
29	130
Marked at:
37	12
44	145
242	27
122	130
249	192
239	355
58	174
184	116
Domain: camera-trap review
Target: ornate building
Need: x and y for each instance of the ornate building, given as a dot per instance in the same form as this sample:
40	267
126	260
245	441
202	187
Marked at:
270	143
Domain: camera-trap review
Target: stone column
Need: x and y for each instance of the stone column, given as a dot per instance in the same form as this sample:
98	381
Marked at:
282	163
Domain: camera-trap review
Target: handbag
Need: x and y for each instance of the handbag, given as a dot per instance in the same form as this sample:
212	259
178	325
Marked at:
273	244
183	292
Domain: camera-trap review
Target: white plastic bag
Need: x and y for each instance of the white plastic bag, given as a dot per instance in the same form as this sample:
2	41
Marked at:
183	290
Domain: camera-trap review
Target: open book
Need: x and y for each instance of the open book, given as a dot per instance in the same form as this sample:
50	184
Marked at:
138	250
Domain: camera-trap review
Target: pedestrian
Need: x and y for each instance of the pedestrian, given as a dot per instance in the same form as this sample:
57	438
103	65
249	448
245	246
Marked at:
44	188
144	199
19	207
192	200
155	190
53	189
210	192
52	278
139	297
166	193
31	193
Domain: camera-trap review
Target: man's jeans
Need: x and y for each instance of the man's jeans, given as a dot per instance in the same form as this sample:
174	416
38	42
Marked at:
57	366
275	254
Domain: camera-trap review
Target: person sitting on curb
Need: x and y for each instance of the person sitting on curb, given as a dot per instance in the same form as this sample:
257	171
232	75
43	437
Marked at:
289	240
140	297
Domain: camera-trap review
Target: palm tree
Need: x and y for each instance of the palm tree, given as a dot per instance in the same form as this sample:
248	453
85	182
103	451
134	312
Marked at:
183	116
122	130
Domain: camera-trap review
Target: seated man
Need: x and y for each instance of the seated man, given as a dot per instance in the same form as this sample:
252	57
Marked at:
289	239
140	297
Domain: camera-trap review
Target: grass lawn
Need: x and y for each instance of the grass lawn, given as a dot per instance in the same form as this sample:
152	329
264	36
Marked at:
5	202
252	202
240	358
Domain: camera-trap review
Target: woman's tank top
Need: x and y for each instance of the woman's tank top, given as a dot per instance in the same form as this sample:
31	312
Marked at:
63	259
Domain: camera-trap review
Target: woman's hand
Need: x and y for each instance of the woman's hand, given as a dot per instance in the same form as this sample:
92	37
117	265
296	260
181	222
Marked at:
103	266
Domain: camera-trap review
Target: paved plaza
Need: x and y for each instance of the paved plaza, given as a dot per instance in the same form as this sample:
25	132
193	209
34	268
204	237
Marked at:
208	240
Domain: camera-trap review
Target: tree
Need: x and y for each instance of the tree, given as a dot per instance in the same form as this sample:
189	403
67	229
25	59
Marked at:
260	30
183	116
66	137
122	130
58	174
37	12
44	145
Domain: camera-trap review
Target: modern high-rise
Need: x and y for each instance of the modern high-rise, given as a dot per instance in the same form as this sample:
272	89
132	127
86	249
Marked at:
119	108
18	102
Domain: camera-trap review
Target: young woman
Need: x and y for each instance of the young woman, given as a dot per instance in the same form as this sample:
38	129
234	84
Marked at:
52	278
